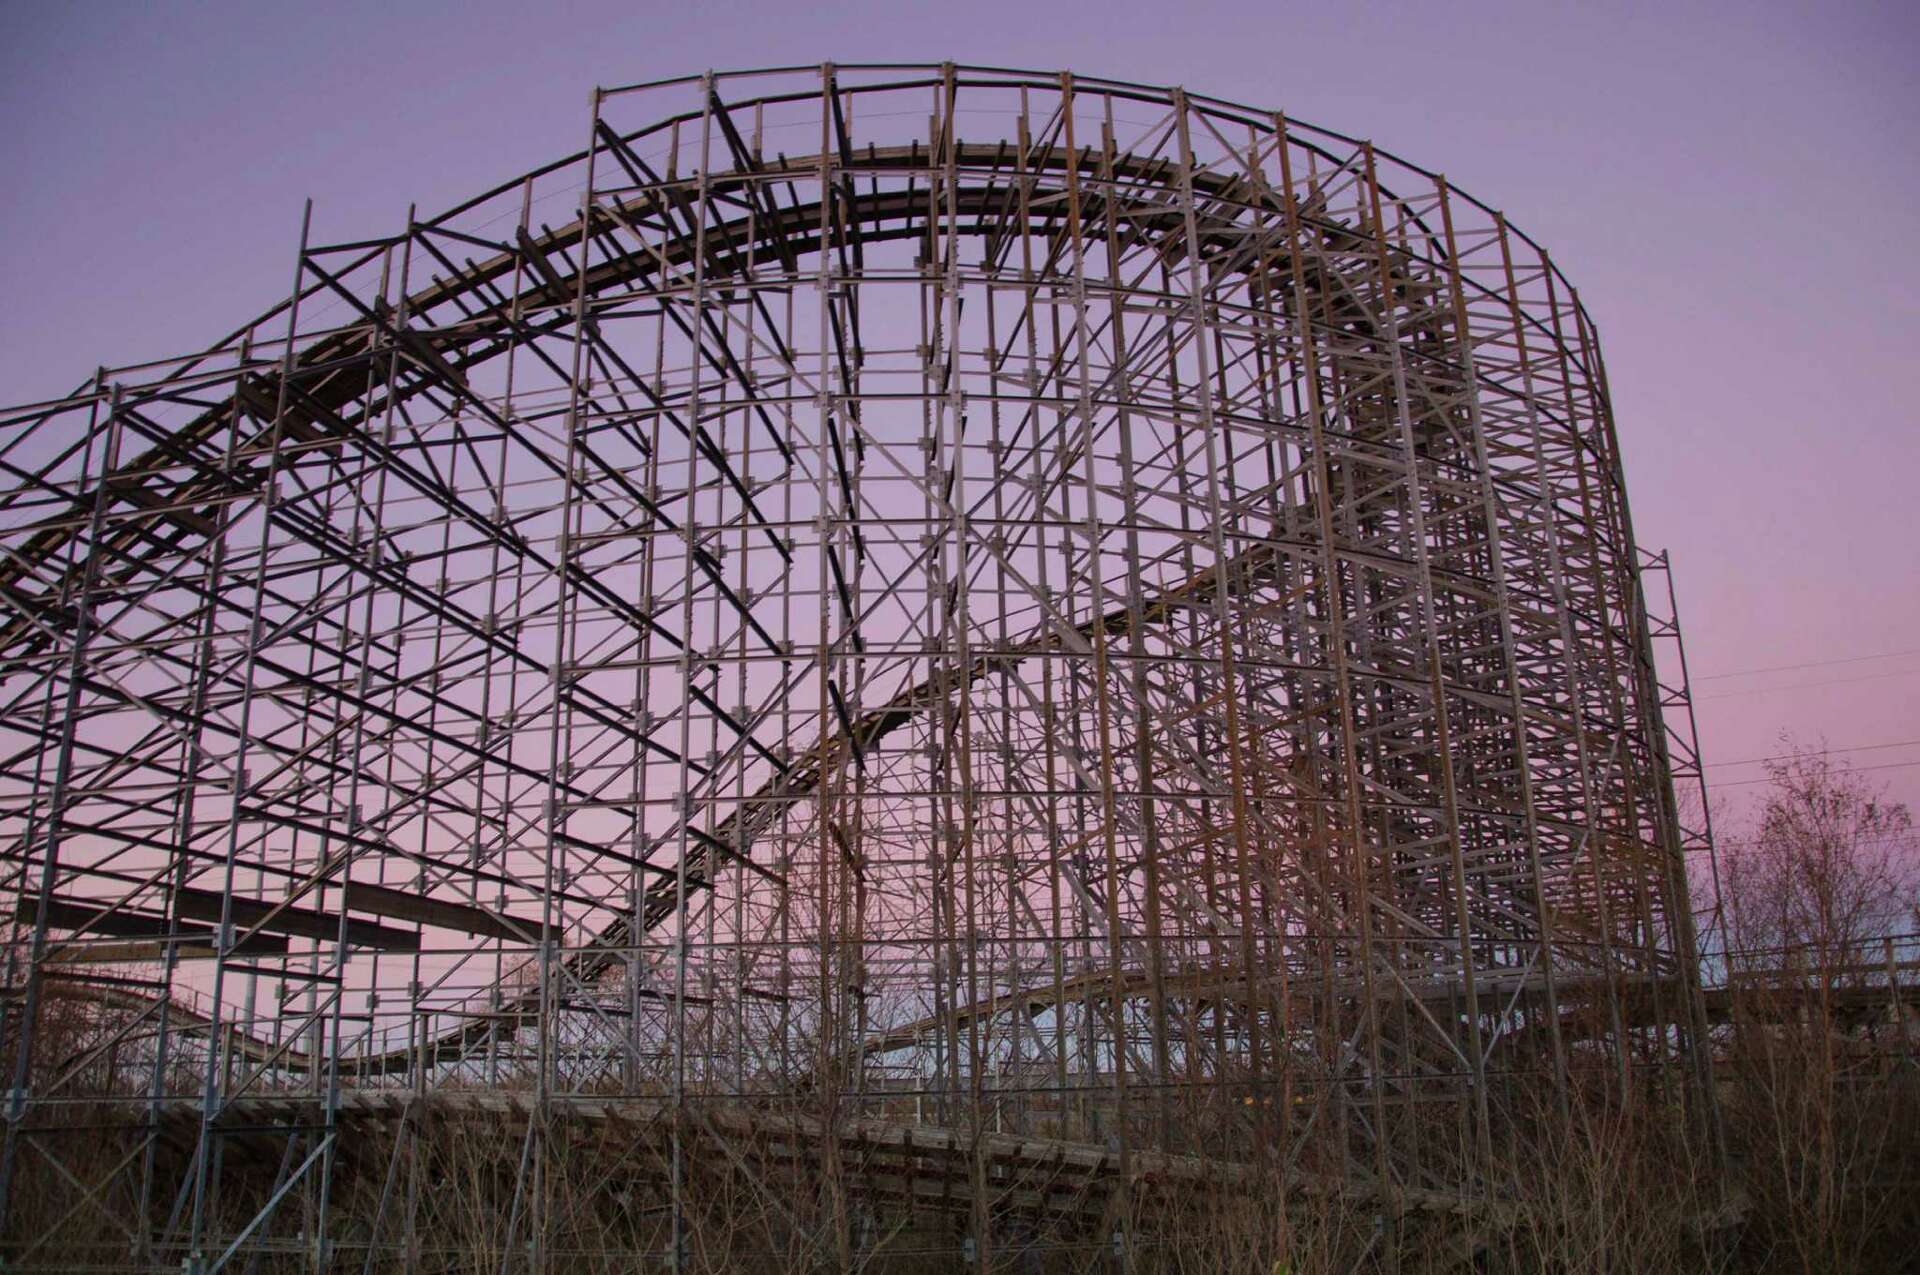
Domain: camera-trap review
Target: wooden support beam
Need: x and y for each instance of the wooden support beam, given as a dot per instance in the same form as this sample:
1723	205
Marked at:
441	913
204	905
87	916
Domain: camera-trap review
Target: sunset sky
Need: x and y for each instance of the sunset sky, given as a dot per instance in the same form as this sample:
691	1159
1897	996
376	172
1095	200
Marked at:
1733	188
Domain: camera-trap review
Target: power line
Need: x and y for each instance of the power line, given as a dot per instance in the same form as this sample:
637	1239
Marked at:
1795	686
1817	752
1893	765
1892	838
1784	668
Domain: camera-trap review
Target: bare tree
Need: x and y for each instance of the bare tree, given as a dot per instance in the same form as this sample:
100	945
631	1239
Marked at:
1811	896
1828	872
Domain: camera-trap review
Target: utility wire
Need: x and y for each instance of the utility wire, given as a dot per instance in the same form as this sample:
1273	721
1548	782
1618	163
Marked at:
1888	839
1783	668
1818	752
1795	686
1893	765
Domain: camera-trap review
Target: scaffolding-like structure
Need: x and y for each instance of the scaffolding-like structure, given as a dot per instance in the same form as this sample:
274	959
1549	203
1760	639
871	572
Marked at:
885	642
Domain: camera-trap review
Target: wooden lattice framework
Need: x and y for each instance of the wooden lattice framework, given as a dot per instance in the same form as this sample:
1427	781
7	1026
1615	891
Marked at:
1053	613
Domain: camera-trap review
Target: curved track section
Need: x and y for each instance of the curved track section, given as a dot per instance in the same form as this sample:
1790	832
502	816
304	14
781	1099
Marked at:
1059	601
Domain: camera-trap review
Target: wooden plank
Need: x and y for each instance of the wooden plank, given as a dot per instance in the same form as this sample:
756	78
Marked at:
204	905
133	952
441	913
84	916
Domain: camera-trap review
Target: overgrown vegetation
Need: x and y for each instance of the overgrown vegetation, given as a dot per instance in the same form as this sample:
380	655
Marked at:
1810	1166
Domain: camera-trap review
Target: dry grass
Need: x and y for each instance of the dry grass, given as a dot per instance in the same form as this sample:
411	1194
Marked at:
1814	1167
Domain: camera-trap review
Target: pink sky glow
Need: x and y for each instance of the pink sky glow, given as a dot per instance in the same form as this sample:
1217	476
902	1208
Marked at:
1733	188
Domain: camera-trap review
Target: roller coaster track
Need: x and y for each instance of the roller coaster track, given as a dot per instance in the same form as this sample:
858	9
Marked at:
317	417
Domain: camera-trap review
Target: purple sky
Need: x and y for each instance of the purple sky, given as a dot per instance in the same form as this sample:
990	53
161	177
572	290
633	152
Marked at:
1734	190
